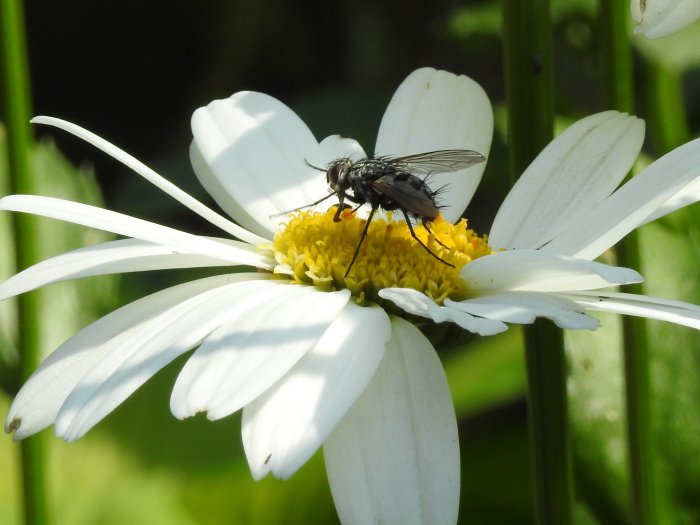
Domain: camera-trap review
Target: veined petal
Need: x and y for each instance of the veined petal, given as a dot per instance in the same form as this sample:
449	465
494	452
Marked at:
676	312
576	171
285	426
525	307
249	152
121	224
632	204
262	339
538	271
38	402
152	177
659	18
135	355
125	255
417	303
394	458
436	110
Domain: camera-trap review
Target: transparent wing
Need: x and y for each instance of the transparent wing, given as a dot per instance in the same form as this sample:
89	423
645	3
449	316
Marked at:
408	198
442	161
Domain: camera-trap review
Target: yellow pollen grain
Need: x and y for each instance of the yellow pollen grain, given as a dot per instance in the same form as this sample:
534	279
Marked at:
313	249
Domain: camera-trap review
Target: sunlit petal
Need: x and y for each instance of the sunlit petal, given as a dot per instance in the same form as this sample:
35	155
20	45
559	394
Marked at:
134	356
394	458
151	176
676	312
525	307
40	399
632	204
436	110
289	422
417	303
575	172
126	255
534	270
264	336
121	224
249	152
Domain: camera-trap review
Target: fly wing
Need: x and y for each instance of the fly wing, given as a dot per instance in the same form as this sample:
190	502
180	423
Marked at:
410	199
442	161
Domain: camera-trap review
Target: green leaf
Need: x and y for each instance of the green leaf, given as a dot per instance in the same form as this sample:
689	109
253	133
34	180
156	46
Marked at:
670	251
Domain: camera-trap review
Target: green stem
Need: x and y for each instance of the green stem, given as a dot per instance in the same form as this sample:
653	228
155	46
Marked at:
619	90
16	98
666	108
530	95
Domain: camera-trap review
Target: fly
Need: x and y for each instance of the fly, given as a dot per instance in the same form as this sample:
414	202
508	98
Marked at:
393	183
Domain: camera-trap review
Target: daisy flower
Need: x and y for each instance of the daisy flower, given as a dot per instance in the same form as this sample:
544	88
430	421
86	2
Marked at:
315	357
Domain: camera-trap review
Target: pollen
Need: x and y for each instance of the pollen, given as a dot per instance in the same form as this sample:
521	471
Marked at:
313	249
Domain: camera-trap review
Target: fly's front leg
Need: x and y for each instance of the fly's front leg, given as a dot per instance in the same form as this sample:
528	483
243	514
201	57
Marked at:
359	244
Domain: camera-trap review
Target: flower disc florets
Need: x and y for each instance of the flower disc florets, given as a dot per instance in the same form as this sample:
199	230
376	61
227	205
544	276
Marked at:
313	249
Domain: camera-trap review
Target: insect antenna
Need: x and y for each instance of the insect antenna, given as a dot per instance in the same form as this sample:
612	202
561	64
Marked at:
413	234
305	205
314	167
362	238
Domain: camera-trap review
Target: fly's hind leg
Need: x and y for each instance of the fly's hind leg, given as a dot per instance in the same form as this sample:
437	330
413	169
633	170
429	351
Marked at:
413	234
425	225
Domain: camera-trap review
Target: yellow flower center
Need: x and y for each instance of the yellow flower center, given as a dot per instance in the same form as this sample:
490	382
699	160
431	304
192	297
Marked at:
312	249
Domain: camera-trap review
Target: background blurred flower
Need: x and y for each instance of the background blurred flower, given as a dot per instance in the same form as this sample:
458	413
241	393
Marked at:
659	18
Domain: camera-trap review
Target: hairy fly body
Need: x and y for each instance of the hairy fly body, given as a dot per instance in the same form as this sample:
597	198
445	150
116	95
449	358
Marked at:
394	183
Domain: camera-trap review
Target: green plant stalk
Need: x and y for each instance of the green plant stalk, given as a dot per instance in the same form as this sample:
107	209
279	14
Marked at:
16	106
665	107
618	80
527	43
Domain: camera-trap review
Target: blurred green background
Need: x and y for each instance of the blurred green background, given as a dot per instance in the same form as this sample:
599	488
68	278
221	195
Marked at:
133	73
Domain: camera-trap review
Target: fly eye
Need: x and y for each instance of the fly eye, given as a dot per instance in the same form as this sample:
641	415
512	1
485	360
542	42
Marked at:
333	174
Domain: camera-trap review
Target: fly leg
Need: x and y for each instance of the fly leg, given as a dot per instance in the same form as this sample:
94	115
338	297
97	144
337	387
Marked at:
413	234
362	238
425	225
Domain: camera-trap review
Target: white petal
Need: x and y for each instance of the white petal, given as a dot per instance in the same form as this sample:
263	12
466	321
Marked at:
121	224
538	271
262	339
632	204
134	356
658	18
153	177
38	402
335	147
394	458
249	152
576	171
285	426
689	194
525	307
642	306
436	110
417	303
126	255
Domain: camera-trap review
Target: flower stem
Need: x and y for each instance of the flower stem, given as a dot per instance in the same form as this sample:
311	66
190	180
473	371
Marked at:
16	99
665	107
618	82
530	95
